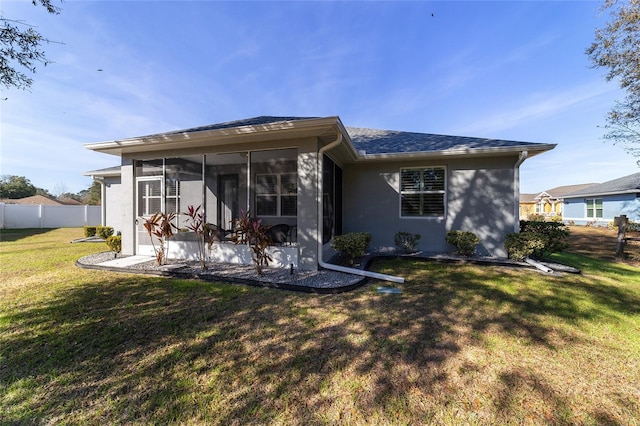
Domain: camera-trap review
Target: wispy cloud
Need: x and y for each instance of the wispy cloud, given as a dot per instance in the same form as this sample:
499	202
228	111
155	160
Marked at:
535	107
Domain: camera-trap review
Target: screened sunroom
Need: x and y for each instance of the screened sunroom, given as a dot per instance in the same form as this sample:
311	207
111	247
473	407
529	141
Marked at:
225	185
283	172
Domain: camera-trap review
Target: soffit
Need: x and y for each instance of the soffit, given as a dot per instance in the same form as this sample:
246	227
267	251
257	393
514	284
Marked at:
325	129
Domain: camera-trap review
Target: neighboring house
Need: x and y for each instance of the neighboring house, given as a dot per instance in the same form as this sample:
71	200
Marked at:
599	204
527	205
549	203
319	178
34	199
68	201
42	200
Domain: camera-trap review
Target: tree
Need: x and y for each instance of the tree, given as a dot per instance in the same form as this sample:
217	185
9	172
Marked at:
92	195
16	187
616	49
21	48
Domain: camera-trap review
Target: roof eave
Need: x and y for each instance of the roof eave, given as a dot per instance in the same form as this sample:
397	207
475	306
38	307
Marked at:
602	194
98	173
240	134
471	152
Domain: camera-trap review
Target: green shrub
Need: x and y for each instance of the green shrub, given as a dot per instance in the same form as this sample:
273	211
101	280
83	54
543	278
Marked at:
536	217
552	234
353	244
407	241
465	242
115	243
89	231
104	232
522	245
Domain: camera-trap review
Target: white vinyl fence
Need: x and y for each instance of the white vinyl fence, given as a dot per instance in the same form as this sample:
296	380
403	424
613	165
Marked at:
18	216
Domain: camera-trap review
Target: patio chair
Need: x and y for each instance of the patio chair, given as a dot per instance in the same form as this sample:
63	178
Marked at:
278	234
292	235
220	234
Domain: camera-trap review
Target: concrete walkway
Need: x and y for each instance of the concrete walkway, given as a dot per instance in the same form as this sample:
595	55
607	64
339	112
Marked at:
125	262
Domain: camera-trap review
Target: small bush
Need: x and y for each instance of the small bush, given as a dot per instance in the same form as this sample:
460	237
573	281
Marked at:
353	244
89	231
104	232
552	234
115	243
407	241
522	245
536	217
465	242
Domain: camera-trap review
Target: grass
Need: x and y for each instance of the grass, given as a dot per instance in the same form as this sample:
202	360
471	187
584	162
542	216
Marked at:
462	345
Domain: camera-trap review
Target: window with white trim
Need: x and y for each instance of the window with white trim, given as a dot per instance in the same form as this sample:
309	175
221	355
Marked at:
277	194
149	196
422	192
593	208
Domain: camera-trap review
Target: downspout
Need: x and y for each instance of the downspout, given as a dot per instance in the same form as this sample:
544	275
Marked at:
516	189
321	262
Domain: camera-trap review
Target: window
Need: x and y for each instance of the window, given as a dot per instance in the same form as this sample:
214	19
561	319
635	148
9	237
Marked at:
149	196
277	194
331	199
422	192
172	199
594	208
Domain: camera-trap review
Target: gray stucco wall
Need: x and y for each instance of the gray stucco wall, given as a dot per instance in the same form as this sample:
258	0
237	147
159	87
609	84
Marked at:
128	206
113	203
307	205
479	198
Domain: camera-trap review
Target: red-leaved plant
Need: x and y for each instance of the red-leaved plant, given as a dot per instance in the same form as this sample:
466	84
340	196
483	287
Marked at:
252	232
161	226
205	233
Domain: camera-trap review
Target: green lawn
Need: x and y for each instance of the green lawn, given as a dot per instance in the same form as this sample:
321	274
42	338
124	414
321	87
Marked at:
461	345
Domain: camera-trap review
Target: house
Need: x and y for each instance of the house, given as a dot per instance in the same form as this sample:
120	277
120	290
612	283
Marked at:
599	204
320	179
548	203
34	200
528	205
42	200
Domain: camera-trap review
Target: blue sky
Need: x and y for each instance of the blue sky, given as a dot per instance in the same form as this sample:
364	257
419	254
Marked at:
511	70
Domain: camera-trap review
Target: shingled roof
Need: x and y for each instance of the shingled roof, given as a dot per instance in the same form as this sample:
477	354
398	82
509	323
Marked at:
625	185
33	199
368	143
562	191
374	141
255	121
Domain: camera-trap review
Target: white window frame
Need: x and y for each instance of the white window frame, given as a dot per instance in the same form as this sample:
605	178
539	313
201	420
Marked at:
163	197
594	208
440	191
145	199
278	195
